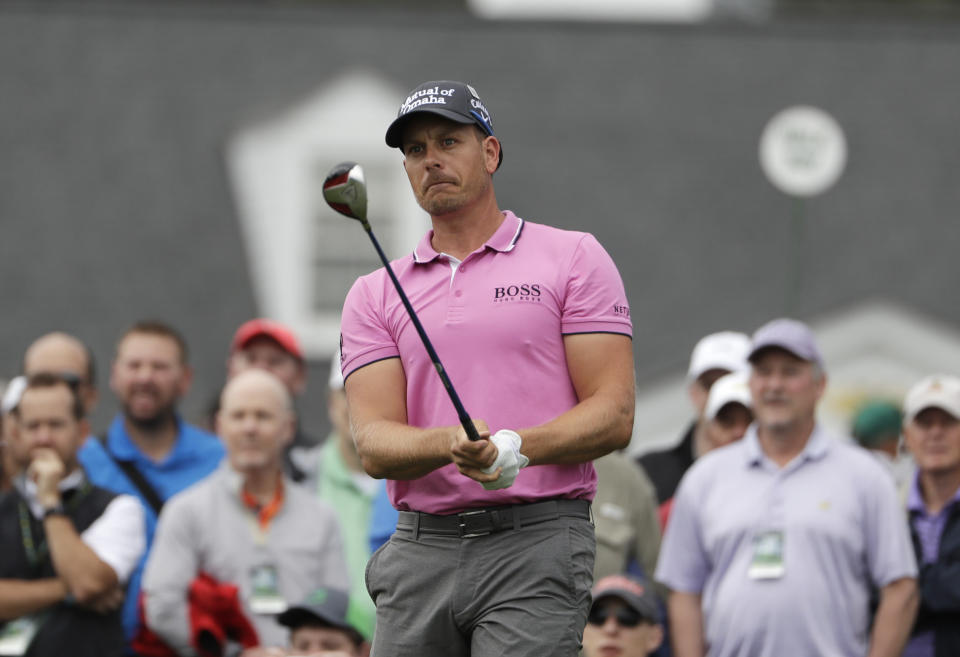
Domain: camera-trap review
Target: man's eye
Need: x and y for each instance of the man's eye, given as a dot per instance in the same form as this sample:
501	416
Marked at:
449	141
412	150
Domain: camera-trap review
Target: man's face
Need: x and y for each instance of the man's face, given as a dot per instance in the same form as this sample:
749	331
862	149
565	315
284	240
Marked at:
699	390
447	163
266	353
63	356
606	636
46	421
255	423
933	437
785	390
149	377
307	640
729	426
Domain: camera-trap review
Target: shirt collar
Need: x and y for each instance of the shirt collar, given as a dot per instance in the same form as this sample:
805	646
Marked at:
503	239
915	502
818	444
123	448
233	480
915	497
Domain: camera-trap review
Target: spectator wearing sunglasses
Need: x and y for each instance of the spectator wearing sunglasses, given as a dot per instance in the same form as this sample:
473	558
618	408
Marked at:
68	358
624	619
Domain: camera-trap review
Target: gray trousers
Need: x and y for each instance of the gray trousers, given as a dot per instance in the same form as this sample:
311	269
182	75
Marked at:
520	592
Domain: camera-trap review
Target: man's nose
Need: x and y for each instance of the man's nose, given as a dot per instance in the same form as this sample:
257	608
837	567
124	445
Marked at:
43	438
431	156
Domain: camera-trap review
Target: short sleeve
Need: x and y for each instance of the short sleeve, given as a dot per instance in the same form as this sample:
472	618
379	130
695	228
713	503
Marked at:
119	536
684	563
890	554
364	336
595	299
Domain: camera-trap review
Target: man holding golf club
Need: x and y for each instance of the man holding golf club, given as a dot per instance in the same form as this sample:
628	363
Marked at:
494	547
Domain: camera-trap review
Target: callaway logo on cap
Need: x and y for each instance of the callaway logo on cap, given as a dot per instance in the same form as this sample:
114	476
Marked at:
452	100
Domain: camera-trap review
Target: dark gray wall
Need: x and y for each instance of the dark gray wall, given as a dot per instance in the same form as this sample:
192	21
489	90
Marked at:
114	202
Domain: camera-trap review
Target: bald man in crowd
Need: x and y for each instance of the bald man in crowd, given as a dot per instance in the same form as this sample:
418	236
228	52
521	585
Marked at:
67	357
247	524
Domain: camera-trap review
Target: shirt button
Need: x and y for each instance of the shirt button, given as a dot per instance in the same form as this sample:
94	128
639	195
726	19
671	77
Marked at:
458	293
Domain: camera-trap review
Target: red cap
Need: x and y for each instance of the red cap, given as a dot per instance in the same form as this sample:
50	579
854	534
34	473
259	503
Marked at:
276	331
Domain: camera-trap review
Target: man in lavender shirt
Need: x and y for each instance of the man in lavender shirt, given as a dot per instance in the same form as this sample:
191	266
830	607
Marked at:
932	431
776	541
494	548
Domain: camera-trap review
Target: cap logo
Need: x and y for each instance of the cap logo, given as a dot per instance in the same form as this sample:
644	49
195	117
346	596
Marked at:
431	96
318	597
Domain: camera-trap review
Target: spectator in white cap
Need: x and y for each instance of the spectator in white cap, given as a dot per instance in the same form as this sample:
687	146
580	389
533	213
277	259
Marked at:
728	412
778	542
932	431
624	619
713	356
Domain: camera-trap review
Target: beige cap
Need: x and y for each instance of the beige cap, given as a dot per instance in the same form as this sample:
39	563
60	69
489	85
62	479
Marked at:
938	391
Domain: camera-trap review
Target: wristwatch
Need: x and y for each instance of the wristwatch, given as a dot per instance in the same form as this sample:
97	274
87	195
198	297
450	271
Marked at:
55	510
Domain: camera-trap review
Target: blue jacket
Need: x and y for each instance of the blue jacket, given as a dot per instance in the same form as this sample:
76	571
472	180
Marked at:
939	586
196	454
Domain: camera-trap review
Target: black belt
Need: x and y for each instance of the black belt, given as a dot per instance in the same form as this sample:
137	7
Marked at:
480	522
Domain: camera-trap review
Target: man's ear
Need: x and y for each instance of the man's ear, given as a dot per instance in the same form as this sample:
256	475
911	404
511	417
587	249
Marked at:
654	638
186	380
491	153
698	396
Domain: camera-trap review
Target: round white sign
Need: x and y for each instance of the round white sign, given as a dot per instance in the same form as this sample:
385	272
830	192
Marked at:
803	151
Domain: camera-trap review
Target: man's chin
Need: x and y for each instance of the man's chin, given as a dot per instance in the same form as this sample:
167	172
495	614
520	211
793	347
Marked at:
250	462
149	420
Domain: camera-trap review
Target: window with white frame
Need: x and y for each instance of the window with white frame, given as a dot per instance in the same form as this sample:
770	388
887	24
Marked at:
303	256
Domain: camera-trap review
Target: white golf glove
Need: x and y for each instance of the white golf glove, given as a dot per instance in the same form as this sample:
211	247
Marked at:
508	457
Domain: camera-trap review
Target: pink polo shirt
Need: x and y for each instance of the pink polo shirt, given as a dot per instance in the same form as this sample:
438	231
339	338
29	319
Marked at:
497	323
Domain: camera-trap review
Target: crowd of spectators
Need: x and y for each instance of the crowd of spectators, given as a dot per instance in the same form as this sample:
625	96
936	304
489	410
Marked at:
157	537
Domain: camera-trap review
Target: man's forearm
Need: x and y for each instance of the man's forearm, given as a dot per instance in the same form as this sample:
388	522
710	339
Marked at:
392	450
686	624
20	597
601	372
894	618
84	574
589	430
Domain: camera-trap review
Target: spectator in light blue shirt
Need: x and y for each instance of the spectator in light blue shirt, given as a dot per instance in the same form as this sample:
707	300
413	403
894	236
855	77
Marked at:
148	441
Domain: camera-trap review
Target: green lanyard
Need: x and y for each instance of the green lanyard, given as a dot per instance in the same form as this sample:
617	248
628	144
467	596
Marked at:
37	552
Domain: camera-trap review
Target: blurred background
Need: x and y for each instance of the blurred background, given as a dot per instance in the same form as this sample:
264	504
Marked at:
164	160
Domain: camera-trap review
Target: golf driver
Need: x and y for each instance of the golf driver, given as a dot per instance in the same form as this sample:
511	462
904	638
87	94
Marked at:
345	191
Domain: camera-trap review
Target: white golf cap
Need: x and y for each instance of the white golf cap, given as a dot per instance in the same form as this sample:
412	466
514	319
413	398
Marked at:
725	390
336	375
726	350
938	391
13	393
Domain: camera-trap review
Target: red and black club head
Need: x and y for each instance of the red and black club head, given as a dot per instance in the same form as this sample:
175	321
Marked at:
345	191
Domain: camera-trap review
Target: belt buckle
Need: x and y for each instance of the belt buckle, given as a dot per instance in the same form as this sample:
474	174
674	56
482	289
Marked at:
469	527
